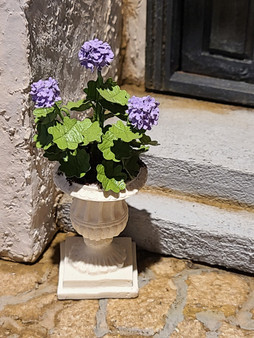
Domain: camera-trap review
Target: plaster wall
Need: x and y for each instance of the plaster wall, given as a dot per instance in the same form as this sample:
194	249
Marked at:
134	42
38	40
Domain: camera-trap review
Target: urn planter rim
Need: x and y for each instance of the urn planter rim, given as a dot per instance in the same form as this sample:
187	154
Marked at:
92	192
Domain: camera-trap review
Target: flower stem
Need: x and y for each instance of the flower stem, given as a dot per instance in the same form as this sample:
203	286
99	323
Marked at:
61	115
66	111
99	111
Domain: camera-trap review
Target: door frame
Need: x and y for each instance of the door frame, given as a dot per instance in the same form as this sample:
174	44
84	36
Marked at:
163	60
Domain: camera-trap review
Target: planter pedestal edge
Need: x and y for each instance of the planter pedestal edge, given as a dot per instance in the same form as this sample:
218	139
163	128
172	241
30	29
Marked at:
121	283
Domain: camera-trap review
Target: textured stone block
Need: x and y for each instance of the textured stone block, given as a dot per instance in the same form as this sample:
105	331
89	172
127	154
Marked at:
187	229
204	149
38	40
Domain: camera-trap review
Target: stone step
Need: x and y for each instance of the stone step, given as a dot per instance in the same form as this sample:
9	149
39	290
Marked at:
174	225
205	149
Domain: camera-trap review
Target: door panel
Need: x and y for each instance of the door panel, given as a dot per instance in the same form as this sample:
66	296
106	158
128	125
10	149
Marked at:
217	39
201	48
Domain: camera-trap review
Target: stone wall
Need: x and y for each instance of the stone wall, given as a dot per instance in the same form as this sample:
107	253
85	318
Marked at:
134	42
40	39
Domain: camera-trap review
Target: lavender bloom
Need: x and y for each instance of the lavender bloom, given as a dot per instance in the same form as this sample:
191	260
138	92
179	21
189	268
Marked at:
143	112
45	93
95	53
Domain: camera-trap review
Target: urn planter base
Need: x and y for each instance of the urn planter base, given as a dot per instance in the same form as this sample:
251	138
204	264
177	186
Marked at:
76	283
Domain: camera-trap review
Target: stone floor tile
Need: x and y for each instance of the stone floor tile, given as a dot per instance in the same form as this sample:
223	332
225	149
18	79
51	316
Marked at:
218	303
17	278
26	277
117	335
145	314
10	327
165	266
229	331
216	291
29	311
76	320
189	329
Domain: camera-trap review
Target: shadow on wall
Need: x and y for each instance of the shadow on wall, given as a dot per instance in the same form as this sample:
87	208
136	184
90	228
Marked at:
143	232
141	229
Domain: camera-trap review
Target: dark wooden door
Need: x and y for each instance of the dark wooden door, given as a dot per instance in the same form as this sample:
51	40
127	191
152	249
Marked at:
201	48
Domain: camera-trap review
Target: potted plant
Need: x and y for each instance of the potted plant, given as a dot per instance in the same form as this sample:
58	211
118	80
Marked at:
99	165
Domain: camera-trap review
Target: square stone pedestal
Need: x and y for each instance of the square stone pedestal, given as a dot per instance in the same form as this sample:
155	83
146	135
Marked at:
74	284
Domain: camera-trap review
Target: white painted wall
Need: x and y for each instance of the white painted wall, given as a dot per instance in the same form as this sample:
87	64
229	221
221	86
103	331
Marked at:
39	39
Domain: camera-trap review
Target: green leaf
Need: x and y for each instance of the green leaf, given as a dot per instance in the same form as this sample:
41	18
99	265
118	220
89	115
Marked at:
80	105
42	112
67	135
91	91
45	115
122	150
114	170
115	95
145	139
72	132
109	84
132	166
43	139
123	132
91	131
115	132
109	183
76	164
105	146
53	153
115	108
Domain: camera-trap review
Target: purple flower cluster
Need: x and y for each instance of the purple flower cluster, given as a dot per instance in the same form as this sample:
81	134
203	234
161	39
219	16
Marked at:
95	53
45	93
143	112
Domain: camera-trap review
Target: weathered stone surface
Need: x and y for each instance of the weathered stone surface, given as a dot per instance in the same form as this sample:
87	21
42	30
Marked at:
12	328
77	318
63	213
211	319
189	328
166	266
134	39
215	291
174	225
26	277
202	163
39	40
30	311
27	223
228	331
146	314
23	278
217	303
53	48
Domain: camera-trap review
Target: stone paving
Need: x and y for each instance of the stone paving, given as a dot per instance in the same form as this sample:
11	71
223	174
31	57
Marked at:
177	299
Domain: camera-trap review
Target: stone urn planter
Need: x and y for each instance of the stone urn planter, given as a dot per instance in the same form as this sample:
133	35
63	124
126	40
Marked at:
98	265
98	138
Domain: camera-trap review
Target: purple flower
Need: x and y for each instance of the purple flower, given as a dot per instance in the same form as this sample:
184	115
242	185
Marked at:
143	112
95	53
45	93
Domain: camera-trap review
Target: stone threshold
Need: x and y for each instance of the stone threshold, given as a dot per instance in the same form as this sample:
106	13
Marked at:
205	148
